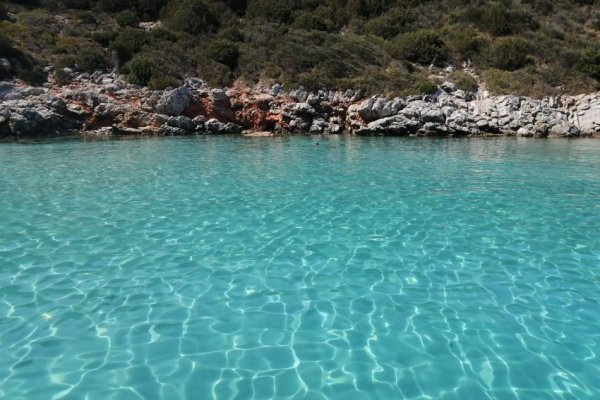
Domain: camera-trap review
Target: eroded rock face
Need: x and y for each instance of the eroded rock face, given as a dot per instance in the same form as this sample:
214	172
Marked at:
34	114
584	112
451	112
104	104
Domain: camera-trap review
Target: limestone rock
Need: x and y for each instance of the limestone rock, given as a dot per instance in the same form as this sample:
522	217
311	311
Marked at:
318	126
183	123
376	108
299	95
448	87
215	127
303	109
276	89
564	129
396	125
298	125
174	102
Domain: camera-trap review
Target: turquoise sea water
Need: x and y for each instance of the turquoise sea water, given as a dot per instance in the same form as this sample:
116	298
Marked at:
271	268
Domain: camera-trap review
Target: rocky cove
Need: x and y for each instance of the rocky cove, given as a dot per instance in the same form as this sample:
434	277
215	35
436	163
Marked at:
103	104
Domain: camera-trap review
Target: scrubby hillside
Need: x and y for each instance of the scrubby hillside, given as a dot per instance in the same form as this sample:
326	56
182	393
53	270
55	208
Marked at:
529	47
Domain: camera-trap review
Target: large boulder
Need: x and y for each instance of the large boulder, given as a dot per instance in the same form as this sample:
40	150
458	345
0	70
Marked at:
587	114
37	116
564	129
174	102
433	114
183	123
397	125
376	108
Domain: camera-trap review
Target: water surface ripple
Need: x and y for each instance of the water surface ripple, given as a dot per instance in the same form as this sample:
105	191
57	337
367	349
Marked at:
253	268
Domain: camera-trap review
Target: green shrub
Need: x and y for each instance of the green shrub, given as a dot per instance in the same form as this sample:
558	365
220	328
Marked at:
34	75
523	82
115	5
391	23
65	44
63	61
86	17
508	54
328	74
127	18
22	65
589	63
37	18
368	8
162	34
272	10
500	19
141	69
465	43
344	43
214	73
85	55
191	16
231	33
128	42
92	58
224	51
320	19
545	7
150	9
306	80
103	38
422	47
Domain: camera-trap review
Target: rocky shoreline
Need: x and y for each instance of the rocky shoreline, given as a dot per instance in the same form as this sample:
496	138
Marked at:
102	104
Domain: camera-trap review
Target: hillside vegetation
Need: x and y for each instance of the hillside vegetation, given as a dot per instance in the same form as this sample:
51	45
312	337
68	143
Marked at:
391	47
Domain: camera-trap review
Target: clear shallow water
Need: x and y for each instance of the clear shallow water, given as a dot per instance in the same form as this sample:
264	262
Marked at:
236	268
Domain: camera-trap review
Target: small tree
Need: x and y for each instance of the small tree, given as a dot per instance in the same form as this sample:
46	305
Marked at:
224	51
423	46
589	63
127	43
127	18
141	69
191	16
508	54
